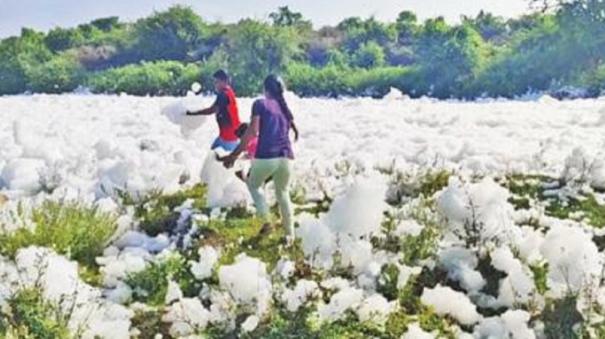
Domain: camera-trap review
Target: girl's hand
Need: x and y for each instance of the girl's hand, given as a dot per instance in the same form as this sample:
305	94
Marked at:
228	161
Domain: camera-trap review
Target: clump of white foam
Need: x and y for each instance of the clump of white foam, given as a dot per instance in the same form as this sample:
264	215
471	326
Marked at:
60	284
176	112
187	316
584	168
359	211
250	324
511	324
518	285
224	188
302	292
460	264
202	269
248	283
447	301
346	299
376	309
574	259
416	332
483	204
318	242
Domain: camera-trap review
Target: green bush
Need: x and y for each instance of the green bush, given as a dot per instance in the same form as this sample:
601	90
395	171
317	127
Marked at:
70	228
151	285
147	78
28	315
333	81
156	211
61	74
369	55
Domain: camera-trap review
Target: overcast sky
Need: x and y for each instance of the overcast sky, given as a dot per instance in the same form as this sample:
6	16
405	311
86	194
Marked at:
45	14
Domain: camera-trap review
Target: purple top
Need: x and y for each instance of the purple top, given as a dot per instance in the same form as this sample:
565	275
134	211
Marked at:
273	136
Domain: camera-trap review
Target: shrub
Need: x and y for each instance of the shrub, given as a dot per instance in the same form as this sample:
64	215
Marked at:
147	78
156	211
151	284
70	228
28	315
61	74
334	81
369	55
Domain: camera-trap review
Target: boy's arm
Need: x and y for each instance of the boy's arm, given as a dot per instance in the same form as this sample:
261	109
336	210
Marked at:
207	111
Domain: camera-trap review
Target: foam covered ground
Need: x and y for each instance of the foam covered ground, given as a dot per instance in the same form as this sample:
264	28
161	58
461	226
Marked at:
480	254
86	144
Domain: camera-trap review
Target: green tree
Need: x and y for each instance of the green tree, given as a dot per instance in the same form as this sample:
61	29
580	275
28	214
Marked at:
369	55
60	39
449	58
255	49
17	56
169	35
284	17
407	27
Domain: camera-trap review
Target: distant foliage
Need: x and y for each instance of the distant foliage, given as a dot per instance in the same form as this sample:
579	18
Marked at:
559	45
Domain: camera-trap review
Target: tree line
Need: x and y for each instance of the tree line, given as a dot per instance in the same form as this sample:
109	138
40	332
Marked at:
555	49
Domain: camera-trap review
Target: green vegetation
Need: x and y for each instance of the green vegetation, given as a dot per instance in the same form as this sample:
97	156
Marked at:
151	284
28	315
155	211
77	231
163	54
529	190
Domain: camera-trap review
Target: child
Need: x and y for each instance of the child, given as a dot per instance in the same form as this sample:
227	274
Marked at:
250	148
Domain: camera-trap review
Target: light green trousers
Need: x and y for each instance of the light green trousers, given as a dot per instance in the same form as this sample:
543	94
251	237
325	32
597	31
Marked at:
279	170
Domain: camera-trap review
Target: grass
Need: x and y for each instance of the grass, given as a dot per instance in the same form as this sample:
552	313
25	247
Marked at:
528	189
72	229
28	315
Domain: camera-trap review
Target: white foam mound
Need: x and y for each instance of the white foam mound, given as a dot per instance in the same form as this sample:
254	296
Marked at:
511	324
60	284
359	211
416	332
202	269
574	260
224	188
248	282
484	204
346	299
176	112
187	316
447	301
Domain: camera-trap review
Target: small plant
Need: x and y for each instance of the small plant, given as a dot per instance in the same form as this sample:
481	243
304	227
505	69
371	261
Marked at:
156	210
70	228
540	272
28	315
151	284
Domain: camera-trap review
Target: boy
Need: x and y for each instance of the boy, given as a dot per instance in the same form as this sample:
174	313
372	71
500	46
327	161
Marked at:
227	115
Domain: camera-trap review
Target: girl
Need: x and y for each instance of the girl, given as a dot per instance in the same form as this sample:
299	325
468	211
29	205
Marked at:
271	121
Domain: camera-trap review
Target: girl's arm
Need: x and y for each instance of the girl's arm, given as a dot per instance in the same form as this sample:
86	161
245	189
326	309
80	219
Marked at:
295	129
251	132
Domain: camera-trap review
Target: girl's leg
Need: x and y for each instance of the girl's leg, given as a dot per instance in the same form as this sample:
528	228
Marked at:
259	172
281	179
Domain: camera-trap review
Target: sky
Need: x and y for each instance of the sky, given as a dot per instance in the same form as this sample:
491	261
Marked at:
46	14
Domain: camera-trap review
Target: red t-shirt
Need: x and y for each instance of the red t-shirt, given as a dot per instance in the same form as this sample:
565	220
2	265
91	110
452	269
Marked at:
227	116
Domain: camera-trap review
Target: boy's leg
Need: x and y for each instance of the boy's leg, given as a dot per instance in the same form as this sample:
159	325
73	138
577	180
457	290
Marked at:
261	169
281	180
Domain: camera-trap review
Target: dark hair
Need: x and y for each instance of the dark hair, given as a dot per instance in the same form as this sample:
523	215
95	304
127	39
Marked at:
222	75
275	87
239	132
